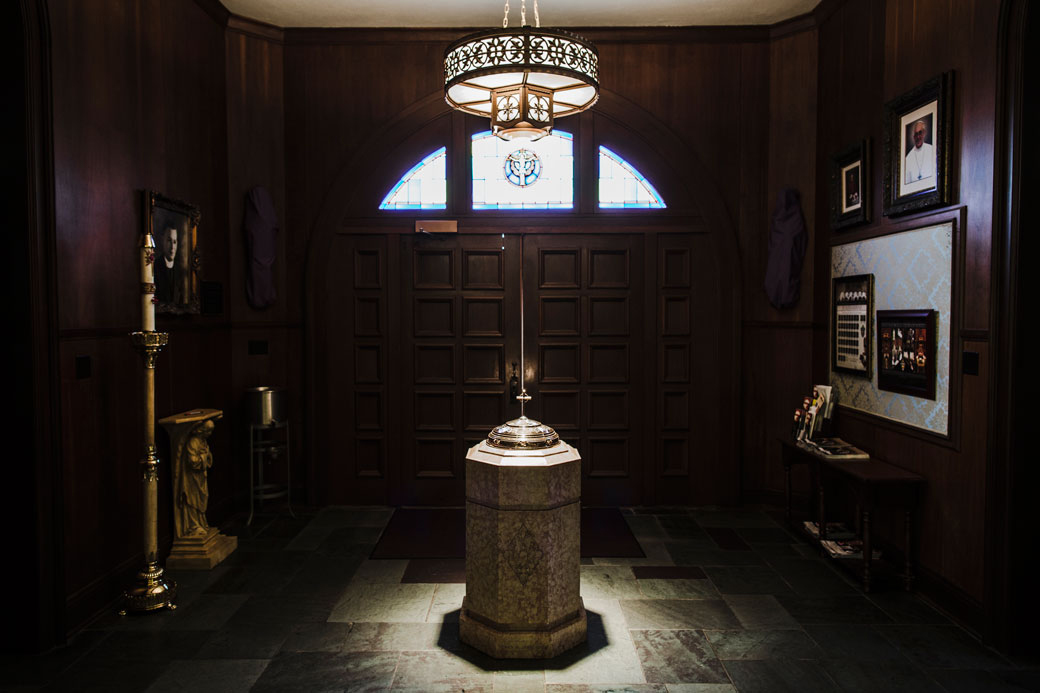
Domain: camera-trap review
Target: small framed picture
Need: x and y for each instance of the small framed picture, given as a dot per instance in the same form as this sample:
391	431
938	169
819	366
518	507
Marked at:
906	352
850	185
174	226
853	308
918	147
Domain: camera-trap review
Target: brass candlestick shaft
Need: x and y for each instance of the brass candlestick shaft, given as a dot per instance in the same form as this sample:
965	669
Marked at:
151	589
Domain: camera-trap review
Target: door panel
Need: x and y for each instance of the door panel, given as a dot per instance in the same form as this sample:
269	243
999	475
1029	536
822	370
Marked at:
585	357
620	354
459	335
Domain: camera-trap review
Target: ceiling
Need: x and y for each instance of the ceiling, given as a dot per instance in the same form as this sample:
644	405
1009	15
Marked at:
488	13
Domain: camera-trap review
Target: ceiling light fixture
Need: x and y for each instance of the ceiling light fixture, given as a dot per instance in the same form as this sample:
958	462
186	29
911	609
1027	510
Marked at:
521	78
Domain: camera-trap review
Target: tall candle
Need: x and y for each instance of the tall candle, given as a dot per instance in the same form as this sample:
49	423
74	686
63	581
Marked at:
148	282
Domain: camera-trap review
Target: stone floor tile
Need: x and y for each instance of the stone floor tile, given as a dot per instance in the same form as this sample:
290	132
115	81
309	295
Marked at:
258	578
437	670
758	611
208	612
735	518
779	676
905	608
161	646
763	644
381	602
447	600
608	582
685	553
518	682
310	538
846	608
685	614
209	676
766	535
943	647
264	609
387	637
678	589
342	516
245	642
645	527
35	670
607	657
96	675
747	580
655	554
438	570
854	642
350	541
605	688
677	656
894	676
812	576
381	570
974	680
324	576
322	671
317	637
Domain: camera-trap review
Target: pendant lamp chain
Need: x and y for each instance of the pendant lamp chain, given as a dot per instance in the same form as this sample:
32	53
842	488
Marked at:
523	15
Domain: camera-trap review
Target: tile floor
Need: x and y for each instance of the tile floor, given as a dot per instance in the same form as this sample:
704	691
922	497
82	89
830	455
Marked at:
726	600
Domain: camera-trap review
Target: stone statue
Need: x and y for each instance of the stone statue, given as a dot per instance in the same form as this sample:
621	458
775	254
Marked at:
195	543
192	491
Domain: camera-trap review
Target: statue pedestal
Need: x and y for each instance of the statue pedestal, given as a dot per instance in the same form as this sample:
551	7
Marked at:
196	545
201	551
523	534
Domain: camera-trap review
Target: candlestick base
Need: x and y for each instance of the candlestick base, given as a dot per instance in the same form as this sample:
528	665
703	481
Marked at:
151	591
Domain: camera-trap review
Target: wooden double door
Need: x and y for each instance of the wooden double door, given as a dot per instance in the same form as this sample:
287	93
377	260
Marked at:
434	324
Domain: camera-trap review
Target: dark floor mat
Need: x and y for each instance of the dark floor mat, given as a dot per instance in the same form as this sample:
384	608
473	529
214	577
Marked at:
441	533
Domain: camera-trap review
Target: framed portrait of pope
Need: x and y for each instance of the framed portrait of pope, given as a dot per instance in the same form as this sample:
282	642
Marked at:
917	147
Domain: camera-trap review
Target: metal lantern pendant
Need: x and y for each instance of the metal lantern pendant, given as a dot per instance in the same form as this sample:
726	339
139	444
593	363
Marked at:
521	78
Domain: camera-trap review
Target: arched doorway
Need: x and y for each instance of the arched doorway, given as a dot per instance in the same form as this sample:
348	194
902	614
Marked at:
632	338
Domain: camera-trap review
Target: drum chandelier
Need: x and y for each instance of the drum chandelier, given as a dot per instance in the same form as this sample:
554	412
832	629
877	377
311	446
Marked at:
521	78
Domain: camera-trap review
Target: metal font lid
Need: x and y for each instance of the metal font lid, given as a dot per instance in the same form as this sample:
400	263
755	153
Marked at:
523	434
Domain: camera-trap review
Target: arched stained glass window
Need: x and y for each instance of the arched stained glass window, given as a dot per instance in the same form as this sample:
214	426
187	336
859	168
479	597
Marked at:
422	187
622	186
521	174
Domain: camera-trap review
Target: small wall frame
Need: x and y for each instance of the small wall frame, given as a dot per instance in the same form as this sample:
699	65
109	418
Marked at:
906	352
918	137
850	186
851	338
174	226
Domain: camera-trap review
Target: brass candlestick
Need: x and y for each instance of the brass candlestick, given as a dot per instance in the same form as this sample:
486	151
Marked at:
151	590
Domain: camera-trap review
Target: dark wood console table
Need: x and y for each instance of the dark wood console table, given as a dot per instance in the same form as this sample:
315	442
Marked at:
876	484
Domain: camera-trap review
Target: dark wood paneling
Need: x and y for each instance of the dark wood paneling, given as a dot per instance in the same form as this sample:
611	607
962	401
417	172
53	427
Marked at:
870	53
134	108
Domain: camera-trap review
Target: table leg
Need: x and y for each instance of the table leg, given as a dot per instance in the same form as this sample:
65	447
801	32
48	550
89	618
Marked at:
908	575
867	550
787	489
822	509
252	487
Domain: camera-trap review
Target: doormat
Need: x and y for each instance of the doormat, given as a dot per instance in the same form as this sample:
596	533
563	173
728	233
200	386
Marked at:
441	533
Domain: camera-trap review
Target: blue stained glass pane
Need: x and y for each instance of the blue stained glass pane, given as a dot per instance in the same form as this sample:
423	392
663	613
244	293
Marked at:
424	186
522	174
622	186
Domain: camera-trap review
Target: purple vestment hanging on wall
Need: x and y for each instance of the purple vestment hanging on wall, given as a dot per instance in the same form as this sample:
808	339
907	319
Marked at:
787	241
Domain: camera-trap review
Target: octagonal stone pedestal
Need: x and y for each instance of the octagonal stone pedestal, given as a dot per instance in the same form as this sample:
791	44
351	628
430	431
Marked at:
523	534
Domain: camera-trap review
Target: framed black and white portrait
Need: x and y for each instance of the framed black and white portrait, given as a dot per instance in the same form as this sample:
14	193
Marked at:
174	227
850	186
917	147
